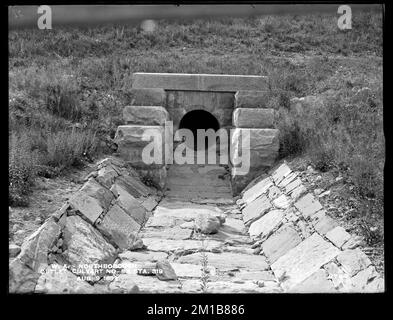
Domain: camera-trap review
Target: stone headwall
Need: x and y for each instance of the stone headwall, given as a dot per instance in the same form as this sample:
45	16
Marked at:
237	102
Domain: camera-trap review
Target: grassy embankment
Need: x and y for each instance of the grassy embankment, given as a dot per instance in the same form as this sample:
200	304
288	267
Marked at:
68	87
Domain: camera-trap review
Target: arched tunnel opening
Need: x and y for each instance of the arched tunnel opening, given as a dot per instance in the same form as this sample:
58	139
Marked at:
199	119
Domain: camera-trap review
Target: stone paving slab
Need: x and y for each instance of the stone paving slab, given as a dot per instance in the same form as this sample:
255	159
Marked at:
264	226
317	282
308	205
168	245
323	223
85	244
256	209
257	190
175	233
228	261
280	242
120	227
338	236
303	260
353	261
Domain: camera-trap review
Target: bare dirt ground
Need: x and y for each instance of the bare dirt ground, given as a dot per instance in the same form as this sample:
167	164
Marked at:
47	196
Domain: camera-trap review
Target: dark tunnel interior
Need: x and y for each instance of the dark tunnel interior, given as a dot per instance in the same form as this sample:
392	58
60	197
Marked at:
199	119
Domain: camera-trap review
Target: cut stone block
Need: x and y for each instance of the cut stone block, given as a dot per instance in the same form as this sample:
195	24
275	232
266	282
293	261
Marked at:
106	176
119	227
280	242
186	211
252	99
131	205
91	200
292	185
133	186
361	282
22	279
254	118
340	279
302	261
228	261
287	180
132	141
280	173
318	282
308	205
264	226
147	97
149	203
35	249
263	146
298	192
323	223
257	190
199	82
145	115
353	261
338	236
219	104
282	202
84	244
256	209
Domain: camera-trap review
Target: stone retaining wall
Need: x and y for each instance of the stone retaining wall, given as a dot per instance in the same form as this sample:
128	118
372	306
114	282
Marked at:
100	220
238	102
307	249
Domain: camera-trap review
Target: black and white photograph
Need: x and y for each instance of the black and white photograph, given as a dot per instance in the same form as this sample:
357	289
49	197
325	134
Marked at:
196	149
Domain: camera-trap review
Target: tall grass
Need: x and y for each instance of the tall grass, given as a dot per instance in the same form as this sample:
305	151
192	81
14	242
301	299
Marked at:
343	130
35	151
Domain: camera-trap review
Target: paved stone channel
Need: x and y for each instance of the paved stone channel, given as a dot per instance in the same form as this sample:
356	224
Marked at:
194	238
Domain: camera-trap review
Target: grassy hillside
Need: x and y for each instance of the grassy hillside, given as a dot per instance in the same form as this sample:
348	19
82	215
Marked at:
68	87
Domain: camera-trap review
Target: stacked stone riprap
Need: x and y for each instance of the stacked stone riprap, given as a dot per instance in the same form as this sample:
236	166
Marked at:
252	114
100	220
307	250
